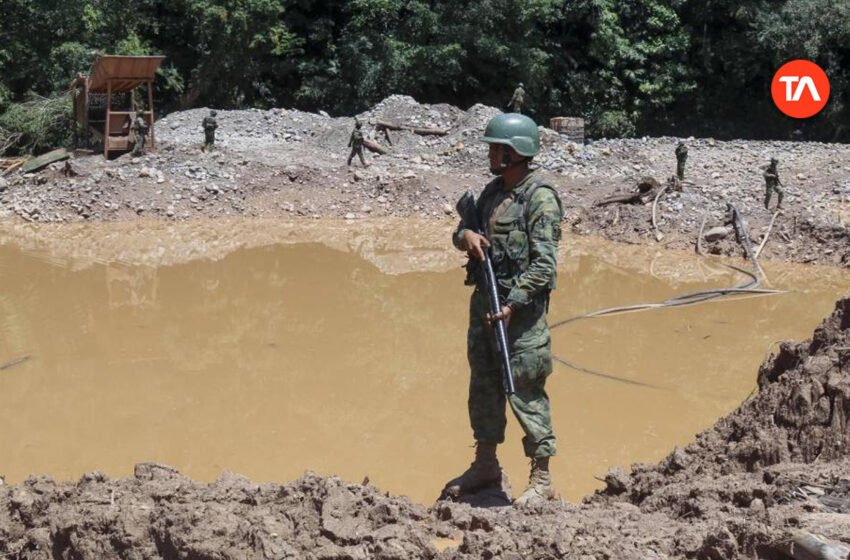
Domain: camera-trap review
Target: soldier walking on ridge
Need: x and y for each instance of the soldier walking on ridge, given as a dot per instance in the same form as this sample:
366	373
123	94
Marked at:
772	183
209	124
517	100
140	129
681	159
356	143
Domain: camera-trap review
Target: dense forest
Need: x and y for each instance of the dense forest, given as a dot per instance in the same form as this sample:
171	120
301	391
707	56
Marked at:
629	67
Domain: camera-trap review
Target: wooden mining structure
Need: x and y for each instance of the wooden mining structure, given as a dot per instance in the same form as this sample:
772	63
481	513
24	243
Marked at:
104	104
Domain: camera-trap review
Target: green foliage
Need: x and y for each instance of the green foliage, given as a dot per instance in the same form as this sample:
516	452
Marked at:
627	66
36	125
613	124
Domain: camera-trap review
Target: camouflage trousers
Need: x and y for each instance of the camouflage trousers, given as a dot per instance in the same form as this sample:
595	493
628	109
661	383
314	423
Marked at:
359	151
530	403
768	193
209	139
680	170
139	146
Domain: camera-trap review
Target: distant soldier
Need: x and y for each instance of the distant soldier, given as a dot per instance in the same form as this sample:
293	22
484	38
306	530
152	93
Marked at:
209	125
772	183
517	100
681	158
140	129
356	143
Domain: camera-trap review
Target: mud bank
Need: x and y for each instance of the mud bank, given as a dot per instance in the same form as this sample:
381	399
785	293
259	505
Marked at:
290	164
773	468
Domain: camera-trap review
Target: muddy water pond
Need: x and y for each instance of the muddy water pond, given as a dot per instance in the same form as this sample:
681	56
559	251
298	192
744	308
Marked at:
340	348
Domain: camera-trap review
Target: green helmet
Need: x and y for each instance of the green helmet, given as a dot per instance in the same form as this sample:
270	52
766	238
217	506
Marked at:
514	130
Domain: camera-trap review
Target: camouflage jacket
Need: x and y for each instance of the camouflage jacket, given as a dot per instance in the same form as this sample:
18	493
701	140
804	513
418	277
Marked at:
517	97
681	153
356	140
140	125
524	229
771	177
209	124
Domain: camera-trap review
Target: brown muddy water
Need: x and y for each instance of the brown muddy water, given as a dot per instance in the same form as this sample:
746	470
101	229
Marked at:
270	348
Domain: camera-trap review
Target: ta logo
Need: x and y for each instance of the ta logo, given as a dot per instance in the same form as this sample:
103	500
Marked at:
800	89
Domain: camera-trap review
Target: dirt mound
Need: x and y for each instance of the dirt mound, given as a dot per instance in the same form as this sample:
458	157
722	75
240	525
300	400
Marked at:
771	473
800	415
160	514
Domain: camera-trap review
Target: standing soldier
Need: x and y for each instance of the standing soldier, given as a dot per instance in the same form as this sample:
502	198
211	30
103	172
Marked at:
209	124
681	158
356	143
517	99
771	183
140	132
521	213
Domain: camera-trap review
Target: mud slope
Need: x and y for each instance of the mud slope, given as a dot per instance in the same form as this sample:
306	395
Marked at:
775	468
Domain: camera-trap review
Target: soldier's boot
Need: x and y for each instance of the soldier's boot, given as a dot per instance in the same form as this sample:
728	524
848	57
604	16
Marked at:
539	484
484	471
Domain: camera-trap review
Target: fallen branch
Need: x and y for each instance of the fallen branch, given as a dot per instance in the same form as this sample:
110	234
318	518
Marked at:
744	238
375	147
699	236
658	235
623	198
421	130
767	234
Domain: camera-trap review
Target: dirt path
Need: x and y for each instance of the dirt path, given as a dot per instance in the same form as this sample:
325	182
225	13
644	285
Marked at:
773	470
286	164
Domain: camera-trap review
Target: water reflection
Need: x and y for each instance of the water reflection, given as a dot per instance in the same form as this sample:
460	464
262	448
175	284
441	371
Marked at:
277	358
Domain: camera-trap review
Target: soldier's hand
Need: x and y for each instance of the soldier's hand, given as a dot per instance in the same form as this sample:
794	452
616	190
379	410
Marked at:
504	315
473	244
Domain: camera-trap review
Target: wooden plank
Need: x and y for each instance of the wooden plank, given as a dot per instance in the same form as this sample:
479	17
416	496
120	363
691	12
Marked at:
106	126
150	110
44	160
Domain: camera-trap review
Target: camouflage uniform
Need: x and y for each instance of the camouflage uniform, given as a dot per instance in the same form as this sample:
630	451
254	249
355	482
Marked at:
517	100
140	130
356	143
209	124
681	158
523	226
771	183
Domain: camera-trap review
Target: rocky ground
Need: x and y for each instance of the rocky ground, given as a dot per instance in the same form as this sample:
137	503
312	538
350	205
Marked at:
768	481
288	163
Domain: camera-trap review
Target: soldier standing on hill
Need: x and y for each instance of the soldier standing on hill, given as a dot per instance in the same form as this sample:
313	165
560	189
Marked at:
681	158
140	131
517	99
521	214
209	124
356	143
771	183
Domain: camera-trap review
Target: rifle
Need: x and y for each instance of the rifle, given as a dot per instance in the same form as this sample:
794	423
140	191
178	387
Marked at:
469	215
